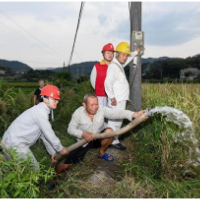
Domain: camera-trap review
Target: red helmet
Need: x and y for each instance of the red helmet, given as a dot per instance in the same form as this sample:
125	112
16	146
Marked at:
108	47
51	91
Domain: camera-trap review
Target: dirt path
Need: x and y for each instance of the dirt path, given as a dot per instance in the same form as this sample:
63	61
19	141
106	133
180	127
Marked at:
110	171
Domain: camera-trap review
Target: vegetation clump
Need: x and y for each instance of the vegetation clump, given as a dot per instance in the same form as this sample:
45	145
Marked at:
155	164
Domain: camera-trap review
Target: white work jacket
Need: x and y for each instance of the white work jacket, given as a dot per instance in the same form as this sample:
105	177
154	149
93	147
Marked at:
93	74
31	125
116	83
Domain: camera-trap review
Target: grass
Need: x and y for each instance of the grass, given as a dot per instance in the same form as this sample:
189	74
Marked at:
155	165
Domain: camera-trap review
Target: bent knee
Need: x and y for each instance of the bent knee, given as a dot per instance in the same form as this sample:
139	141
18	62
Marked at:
108	130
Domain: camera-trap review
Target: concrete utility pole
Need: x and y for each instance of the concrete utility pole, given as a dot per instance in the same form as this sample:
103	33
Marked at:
135	73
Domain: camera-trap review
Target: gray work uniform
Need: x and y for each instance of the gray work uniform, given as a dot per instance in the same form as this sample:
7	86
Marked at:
27	128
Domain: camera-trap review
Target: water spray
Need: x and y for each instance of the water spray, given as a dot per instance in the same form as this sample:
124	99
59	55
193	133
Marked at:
186	135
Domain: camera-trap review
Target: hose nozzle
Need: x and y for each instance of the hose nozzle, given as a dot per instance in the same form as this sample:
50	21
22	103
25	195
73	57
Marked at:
148	112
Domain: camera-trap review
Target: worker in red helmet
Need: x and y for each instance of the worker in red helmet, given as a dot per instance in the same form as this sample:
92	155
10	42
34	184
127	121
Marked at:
98	74
33	124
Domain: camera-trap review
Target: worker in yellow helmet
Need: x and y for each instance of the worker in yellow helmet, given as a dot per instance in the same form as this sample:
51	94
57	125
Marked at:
117	86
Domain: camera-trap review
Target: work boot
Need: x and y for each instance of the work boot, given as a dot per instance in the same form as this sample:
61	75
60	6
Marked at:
62	167
118	146
50	186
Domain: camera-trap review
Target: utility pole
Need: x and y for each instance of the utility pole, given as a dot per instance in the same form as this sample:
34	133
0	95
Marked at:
135	73
63	66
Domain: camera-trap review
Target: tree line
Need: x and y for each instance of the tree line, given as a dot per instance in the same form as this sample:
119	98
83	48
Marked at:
169	68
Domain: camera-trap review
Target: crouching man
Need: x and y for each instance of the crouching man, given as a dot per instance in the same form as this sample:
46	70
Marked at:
33	124
89	119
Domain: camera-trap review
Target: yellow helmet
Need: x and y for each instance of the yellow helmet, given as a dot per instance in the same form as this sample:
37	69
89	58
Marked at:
123	47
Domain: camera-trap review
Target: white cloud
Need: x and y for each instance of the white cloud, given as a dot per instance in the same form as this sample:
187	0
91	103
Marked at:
187	49
54	23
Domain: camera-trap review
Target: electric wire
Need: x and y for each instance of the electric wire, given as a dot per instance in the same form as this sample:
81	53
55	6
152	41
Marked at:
20	35
79	18
17	24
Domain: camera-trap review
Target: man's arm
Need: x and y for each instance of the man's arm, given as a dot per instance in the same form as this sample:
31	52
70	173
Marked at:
35	96
111	113
51	150
48	146
73	126
45	126
93	76
74	131
34	99
130	58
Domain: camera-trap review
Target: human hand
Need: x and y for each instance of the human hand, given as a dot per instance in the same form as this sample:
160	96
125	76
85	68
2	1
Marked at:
64	151
53	160
113	101
137	114
138	50
88	136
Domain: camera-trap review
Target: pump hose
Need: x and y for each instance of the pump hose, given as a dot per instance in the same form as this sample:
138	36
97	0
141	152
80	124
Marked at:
123	130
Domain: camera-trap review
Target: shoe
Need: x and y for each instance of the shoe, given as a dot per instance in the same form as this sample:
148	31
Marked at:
62	167
118	146
106	157
50	186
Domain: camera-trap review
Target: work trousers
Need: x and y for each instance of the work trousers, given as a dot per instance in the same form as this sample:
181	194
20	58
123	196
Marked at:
117	123
78	154
104	102
22	151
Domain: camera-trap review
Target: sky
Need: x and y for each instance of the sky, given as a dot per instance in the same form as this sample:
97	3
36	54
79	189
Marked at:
41	34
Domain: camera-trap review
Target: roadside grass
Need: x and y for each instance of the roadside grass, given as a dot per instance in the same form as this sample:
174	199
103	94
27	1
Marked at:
156	164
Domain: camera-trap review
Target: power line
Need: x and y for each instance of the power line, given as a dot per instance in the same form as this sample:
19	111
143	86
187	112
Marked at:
79	18
20	35
17	24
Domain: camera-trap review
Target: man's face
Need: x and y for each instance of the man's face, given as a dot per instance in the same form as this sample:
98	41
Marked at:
53	102
91	106
41	83
108	55
122	57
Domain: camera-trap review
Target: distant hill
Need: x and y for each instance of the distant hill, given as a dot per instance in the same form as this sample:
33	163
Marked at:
85	68
79	69
151	60
15	66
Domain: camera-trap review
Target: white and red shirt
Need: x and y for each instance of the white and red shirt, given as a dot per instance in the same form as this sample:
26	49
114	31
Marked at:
97	78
